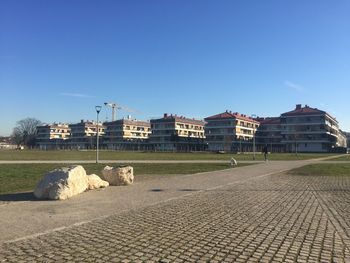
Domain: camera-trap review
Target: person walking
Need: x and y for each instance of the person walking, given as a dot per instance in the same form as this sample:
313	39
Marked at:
265	151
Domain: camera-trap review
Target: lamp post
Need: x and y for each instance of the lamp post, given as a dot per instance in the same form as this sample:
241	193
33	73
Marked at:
253	116
271	142
98	109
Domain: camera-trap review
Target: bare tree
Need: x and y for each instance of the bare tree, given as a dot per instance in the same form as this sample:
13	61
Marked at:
25	132
17	137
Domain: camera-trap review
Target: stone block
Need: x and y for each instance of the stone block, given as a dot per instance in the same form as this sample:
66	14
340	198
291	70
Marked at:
122	175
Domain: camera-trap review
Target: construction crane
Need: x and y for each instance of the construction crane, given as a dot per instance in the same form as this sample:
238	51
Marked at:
116	107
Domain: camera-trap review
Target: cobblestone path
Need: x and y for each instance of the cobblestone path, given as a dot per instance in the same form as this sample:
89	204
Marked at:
277	218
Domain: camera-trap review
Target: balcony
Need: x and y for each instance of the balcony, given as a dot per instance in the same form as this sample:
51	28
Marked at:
304	132
304	123
306	141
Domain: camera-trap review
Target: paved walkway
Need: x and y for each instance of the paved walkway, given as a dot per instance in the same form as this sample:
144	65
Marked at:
256	213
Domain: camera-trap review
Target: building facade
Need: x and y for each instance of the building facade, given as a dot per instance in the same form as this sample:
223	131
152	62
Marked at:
53	136
342	142
303	129
307	129
177	133
347	134
127	134
230	131
83	134
269	134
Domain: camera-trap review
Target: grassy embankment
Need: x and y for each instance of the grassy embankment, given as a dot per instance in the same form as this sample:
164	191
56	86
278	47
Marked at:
23	177
116	155
16	178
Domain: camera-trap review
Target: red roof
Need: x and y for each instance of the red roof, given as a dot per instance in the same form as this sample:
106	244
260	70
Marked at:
303	111
230	115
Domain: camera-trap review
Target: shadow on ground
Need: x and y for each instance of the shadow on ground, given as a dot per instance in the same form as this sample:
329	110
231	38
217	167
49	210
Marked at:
188	190
156	190
26	196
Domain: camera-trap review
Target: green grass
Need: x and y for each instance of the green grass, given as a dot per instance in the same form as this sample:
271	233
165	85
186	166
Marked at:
323	169
117	155
15	178
342	158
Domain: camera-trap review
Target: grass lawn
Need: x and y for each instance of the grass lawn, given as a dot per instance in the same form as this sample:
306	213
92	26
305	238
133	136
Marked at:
323	169
16	178
342	158
117	155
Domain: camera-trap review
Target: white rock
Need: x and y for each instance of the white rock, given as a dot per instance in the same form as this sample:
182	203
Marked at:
94	182
118	175
62	183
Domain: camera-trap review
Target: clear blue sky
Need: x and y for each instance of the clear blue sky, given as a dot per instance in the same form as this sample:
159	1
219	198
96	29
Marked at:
58	59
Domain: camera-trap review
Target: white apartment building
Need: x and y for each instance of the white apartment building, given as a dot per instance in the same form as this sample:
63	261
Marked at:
307	129
177	133
53	136
230	131
127	134
342	141
83	134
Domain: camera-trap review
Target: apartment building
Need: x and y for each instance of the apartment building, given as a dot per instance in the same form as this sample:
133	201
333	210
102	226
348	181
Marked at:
177	133
83	134
342	141
53	136
307	129
347	134
127	134
269	134
230	131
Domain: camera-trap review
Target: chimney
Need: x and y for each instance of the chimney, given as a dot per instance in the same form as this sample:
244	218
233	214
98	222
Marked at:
298	107
165	115
81	121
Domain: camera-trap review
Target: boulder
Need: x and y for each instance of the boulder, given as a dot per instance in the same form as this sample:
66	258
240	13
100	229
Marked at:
62	183
123	175
94	182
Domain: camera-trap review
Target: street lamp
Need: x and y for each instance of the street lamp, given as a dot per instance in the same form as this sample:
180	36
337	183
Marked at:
98	109
240	145
253	116
271	141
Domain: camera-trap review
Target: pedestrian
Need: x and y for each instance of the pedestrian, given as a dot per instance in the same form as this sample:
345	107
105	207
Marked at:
265	151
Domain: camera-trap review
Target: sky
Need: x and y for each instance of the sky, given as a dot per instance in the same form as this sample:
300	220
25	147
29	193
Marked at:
197	58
